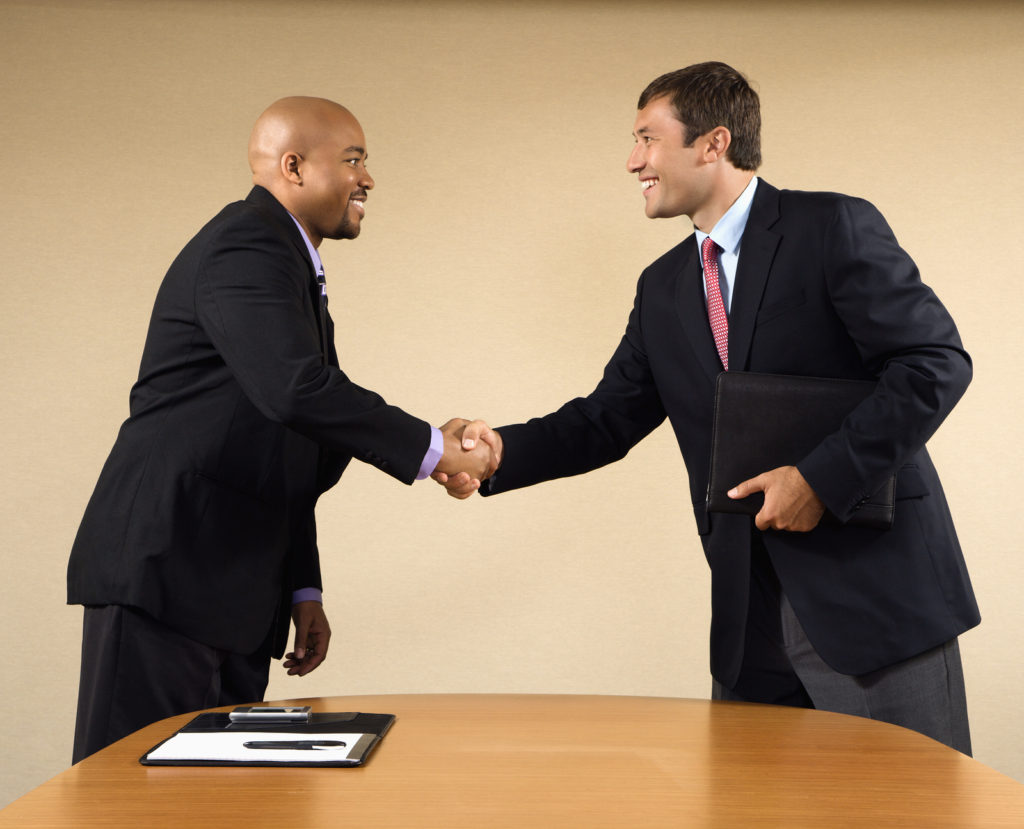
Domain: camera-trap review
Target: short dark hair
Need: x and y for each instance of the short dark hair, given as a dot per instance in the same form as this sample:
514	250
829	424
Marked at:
709	95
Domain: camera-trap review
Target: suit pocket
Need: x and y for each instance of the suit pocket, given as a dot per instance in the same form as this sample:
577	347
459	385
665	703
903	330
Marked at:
234	530
910	483
781	306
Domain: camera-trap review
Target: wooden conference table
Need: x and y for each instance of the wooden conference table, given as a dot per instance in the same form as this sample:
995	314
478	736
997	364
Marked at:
554	761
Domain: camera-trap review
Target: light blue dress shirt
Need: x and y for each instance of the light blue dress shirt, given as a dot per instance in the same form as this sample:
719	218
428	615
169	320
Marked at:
728	234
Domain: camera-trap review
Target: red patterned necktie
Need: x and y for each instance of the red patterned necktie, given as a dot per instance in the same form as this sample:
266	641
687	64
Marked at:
716	308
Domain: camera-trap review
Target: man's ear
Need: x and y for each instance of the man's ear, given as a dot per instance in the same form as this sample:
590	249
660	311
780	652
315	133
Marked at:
716	143
291	167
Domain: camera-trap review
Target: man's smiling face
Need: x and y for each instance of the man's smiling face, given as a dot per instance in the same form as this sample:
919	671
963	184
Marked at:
673	178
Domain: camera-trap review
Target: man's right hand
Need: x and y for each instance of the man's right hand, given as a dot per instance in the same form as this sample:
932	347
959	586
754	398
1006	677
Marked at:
472	453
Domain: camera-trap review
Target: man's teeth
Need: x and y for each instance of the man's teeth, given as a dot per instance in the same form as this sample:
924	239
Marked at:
648	183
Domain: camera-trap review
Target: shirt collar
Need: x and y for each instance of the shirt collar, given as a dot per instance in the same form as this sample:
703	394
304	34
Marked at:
317	264
728	231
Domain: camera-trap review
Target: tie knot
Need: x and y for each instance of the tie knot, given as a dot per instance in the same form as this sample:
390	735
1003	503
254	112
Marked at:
709	248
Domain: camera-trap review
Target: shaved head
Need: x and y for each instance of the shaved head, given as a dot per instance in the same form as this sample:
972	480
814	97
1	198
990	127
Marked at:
310	153
297	124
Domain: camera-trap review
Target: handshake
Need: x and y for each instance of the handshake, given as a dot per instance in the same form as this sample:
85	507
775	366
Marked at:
472	453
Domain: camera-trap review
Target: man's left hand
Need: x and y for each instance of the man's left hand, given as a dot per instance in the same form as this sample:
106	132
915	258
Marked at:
789	502
312	636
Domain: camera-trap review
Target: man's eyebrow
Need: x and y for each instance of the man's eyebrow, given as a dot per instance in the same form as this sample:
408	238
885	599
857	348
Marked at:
642	131
356	149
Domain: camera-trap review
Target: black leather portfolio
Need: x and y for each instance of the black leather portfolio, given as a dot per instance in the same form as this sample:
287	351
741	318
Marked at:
327	739
764	421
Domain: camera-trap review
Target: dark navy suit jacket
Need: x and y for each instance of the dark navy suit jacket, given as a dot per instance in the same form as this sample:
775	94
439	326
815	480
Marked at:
824	290
203	515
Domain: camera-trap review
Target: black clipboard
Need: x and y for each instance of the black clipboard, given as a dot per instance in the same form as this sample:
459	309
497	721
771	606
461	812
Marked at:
369	728
764	421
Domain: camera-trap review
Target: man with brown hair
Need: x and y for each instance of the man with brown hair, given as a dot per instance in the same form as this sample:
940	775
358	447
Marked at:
804	612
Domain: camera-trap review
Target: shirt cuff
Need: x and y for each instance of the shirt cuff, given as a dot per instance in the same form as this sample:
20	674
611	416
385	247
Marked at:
434	453
308	594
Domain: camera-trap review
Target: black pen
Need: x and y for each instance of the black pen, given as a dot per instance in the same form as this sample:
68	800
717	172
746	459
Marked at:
294	744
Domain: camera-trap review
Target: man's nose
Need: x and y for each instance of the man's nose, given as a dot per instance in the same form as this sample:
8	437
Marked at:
635	162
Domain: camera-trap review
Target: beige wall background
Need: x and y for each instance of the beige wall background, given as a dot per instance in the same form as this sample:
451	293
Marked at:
493	278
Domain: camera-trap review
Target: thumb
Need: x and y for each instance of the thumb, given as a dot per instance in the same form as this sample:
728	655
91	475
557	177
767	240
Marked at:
473	432
746	488
301	636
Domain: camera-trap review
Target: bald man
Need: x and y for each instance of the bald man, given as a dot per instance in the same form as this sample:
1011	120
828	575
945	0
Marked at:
199	542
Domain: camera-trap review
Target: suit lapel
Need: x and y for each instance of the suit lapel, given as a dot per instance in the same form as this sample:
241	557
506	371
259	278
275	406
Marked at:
757	252
693	311
265	199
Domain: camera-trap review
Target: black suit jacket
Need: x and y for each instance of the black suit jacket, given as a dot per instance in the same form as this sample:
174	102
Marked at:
203	515
822	289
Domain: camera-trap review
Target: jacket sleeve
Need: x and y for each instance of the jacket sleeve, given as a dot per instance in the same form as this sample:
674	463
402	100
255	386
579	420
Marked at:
253	300
304	557
587	432
905	337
